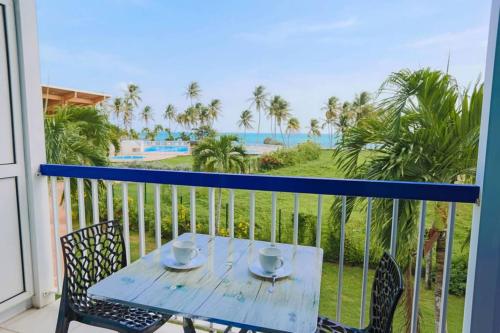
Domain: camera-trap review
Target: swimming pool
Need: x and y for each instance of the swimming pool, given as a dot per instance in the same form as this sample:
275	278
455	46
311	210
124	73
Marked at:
166	149
126	157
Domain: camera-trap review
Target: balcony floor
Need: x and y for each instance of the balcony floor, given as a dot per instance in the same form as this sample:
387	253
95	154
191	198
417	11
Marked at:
44	321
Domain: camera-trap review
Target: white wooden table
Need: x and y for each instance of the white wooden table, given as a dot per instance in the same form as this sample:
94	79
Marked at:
223	290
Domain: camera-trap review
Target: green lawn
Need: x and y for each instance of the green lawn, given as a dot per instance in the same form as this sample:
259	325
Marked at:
323	167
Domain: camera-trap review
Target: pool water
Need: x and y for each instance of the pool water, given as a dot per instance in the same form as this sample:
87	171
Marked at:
127	157
166	149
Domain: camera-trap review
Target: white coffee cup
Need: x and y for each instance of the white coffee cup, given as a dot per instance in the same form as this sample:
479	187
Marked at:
270	259
184	251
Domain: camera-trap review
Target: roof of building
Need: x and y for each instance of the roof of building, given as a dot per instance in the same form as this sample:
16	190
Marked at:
54	96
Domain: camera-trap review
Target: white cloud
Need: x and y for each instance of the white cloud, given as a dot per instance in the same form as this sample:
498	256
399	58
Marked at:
291	29
453	40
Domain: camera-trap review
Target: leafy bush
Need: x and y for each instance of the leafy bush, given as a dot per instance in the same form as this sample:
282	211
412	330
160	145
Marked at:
458	276
240	230
307	151
271	141
307	229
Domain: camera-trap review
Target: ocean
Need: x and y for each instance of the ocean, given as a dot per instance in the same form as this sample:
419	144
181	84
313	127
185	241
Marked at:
251	138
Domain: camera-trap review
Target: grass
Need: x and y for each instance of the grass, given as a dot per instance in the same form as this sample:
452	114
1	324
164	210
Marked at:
323	167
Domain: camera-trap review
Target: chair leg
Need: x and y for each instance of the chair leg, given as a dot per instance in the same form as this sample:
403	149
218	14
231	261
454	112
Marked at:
188	326
62	323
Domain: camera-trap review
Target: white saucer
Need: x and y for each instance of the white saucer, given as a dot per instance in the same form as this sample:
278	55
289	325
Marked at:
283	272
169	261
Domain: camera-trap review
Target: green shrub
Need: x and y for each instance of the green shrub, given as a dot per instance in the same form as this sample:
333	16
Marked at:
307	151
458	276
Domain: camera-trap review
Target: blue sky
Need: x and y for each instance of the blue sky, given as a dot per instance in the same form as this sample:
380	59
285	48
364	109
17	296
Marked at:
304	51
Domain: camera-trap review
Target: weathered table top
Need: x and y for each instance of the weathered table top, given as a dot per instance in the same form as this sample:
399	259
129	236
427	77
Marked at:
223	290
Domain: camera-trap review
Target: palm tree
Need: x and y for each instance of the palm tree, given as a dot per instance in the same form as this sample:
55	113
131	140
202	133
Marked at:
147	114
223	154
117	107
427	129
156	130
203	114
344	119
259	100
214	110
293	126
246	120
280	110
362	106
314	128
170	114
130	102
332	111
193	91
77	135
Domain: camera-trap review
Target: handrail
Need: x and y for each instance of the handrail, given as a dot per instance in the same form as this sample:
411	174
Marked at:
328	186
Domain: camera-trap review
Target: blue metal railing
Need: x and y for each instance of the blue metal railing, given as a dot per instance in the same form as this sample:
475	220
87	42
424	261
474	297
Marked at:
327	186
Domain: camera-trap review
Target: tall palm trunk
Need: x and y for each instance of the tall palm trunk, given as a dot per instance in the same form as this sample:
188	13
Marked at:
428	270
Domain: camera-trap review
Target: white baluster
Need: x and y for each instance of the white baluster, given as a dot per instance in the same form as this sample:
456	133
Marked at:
295	218
273	218
109	200
231	213
251	233
67	205
447	267
95	201
192	199
211	211
55	222
175	215
394	226
341	256
140	213
81	202
366	261
418	268
157	215
318	222
126	227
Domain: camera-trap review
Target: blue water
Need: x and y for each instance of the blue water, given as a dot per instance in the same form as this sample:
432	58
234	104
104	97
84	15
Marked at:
254	138
127	157
166	149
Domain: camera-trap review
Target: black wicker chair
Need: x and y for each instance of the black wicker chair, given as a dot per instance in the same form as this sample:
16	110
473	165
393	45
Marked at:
90	255
386	291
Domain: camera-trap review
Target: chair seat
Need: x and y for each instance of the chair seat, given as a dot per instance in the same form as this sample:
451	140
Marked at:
326	325
114	315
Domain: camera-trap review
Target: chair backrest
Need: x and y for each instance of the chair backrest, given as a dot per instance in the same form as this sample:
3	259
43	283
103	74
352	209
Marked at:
90	255
386	291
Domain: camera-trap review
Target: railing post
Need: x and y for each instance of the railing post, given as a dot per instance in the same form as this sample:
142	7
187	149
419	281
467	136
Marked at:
482	301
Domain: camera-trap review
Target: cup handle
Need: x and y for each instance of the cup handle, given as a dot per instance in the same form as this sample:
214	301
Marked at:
194	253
281	263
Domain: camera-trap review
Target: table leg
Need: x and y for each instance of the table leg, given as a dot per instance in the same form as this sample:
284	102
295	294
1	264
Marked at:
188	325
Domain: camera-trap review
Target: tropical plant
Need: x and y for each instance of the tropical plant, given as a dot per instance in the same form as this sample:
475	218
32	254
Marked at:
130	102
259	100
426	129
362	106
332	111
117	107
147	114
193	91
219	154
279	110
246	120
214	110
293	126
344	118
157	130
314	128
203	132
77	135
170	114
